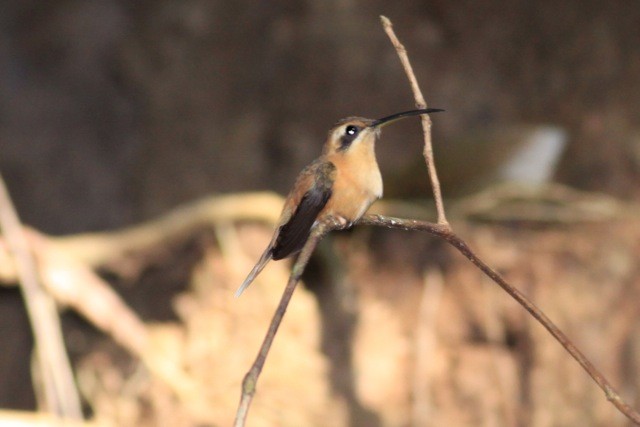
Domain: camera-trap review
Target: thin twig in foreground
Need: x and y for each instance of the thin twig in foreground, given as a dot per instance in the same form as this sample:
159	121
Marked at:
426	120
59	391
450	237
251	378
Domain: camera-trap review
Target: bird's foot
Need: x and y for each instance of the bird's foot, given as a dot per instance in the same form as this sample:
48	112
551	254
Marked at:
339	222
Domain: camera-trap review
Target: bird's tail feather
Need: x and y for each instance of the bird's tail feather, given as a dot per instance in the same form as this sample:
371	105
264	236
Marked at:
264	259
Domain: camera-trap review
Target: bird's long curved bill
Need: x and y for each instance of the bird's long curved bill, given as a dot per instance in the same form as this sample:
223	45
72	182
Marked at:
395	117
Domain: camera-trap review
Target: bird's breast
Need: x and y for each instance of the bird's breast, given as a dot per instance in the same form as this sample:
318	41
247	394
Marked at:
357	185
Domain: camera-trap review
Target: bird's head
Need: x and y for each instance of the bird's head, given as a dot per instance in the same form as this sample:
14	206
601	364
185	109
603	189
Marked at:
354	132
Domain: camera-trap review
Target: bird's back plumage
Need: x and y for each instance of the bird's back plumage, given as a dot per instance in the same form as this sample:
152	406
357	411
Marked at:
292	234
302	207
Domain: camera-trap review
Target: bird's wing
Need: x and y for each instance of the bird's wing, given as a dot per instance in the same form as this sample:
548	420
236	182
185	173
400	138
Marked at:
293	234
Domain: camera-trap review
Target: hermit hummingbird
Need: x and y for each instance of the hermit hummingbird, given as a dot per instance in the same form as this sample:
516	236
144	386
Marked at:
341	184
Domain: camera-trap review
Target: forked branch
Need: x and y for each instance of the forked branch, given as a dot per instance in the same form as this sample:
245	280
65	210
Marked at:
57	388
442	230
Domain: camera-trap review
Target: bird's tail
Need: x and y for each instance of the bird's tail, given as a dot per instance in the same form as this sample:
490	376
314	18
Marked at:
264	259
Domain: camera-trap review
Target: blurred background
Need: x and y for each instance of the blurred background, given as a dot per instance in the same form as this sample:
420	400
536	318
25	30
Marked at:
114	112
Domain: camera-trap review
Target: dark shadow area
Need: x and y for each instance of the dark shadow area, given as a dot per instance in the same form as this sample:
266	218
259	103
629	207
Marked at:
324	277
15	358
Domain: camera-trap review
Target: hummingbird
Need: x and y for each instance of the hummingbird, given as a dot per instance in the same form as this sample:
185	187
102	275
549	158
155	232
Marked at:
340	184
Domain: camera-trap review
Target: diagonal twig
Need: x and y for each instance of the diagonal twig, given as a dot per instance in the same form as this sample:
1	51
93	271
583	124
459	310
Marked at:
426	120
251	378
450	237
58	387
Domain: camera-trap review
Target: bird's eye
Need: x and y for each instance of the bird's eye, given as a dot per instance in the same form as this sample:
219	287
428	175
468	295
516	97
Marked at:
350	135
351	130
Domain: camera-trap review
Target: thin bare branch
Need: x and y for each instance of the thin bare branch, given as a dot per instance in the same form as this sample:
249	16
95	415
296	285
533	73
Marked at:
426	120
443	230
450	237
74	284
58	386
251	378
